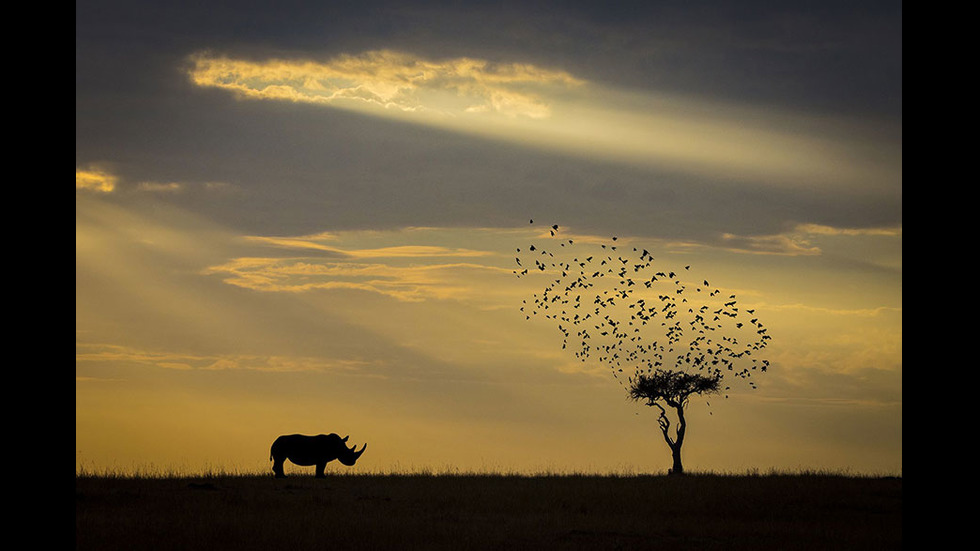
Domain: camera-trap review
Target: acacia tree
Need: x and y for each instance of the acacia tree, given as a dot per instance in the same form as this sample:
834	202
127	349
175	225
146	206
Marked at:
672	388
664	337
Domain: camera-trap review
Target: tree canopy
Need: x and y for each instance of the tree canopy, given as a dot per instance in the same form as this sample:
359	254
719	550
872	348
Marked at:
672	387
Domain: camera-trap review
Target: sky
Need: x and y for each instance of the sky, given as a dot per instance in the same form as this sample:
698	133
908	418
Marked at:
303	217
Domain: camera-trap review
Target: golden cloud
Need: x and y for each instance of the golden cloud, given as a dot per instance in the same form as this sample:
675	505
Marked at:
818	229
796	242
769	244
95	179
108	354
405	283
552	109
160	187
313	242
389	80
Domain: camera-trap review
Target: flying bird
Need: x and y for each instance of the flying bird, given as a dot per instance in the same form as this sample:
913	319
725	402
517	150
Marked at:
622	314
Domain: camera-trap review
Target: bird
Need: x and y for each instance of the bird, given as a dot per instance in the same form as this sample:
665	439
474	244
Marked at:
622	313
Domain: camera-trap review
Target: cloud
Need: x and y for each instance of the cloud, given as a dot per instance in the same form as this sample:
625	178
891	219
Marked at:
95	179
855	312
160	187
109	354
553	110
314	242
769	244
400	268
388	80
411	283
99	179
797	242
413	264
818	229
82	379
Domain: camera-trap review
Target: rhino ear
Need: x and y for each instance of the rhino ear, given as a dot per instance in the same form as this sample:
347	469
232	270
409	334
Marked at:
344	439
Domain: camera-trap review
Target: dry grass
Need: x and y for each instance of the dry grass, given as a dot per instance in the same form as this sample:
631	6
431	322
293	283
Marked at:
481	511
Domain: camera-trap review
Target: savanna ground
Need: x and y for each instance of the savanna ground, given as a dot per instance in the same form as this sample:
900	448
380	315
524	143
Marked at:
480	511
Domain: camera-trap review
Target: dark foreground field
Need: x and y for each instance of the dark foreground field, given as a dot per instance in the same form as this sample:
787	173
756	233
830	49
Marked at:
783	512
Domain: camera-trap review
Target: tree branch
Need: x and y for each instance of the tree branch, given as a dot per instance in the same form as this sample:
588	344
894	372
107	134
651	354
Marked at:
664	424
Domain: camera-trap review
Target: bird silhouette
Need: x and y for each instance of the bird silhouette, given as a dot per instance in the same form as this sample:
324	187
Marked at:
621	328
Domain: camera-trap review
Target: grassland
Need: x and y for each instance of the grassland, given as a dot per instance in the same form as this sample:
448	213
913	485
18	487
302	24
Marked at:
476	512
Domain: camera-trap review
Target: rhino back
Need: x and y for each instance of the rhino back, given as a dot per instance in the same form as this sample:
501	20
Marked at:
307	450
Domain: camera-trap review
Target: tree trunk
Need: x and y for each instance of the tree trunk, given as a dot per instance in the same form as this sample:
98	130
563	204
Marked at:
675	448
675	452
676	442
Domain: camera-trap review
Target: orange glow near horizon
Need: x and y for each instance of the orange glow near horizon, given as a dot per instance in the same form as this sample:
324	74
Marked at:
412	341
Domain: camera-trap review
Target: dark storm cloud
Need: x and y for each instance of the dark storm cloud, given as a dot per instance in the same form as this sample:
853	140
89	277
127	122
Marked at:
298	169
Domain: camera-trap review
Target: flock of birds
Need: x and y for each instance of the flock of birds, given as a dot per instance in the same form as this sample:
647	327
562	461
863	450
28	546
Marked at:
610	301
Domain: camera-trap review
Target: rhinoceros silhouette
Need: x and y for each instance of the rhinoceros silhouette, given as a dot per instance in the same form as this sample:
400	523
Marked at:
312	450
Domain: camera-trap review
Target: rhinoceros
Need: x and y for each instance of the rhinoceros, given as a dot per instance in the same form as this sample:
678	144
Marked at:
312	450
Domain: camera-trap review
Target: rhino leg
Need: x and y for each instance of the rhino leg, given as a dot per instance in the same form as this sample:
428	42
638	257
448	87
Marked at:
320	468
277	468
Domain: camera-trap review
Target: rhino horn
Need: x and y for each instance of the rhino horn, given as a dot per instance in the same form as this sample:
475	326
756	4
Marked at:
351	456
358	453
